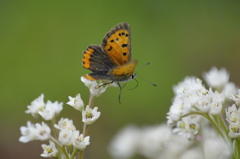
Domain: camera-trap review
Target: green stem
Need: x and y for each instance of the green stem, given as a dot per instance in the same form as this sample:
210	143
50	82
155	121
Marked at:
55	133
223	125
237	148
91	100
65	152
85	126
80	155
216	126
74	153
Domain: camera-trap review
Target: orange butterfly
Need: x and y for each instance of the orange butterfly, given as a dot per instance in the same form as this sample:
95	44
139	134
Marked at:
112	60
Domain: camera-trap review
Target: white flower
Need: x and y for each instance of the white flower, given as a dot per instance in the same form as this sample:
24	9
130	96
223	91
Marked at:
236	98
188	126
80	142
188	85
65	137
125	143
65	123
28	133
43	131
232	114
189	90
180	107
216	103
95	88
90	115
51	110
216	78
234	130
36	106
203	103
76	102
229	89
37	132
50	150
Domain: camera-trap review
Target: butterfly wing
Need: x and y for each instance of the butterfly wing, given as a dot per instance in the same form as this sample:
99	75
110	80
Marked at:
95	59
117	44
123	72
118	74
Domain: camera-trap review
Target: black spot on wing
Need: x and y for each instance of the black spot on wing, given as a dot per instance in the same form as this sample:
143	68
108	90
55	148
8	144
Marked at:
124	45
110	48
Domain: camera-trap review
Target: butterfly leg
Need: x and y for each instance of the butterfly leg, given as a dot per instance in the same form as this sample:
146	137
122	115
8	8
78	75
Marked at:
103	84
119	95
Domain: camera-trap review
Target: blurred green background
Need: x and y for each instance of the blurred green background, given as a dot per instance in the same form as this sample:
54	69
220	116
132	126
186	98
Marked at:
41	44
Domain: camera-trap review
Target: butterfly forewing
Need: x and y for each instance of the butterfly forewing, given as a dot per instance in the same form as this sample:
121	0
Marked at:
117	44
95	59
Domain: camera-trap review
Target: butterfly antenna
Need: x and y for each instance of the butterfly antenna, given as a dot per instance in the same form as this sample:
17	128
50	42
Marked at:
147	80
135	86
143	65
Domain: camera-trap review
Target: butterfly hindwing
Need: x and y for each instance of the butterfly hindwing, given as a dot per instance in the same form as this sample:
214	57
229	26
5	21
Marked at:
95	59
124	71
117	44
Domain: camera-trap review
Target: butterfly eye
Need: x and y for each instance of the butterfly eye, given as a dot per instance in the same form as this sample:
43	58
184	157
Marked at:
133	76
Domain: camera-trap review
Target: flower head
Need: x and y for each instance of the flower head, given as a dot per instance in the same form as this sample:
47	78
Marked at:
90	115
236	98
80	142
28	133
51	110
76	102
229	89
216	103
188	126
65	137
50	150
36	106
216	78
65	123
34	132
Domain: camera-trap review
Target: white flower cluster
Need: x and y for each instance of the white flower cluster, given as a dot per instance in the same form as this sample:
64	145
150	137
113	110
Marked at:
64	134
46	110
193	100
157	142
67	133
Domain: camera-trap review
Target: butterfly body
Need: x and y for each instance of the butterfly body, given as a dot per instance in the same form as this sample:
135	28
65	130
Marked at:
111	61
